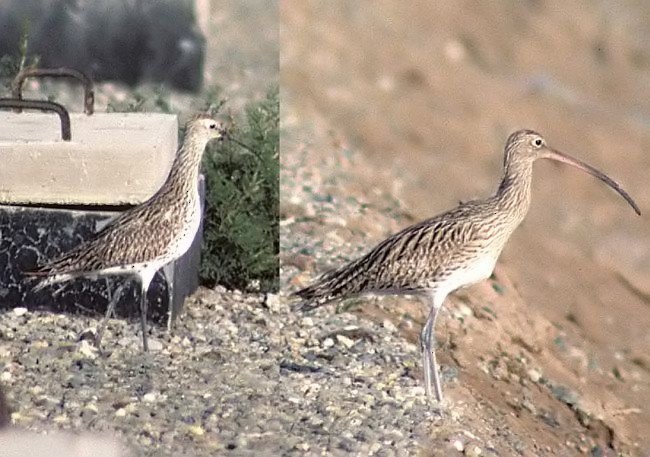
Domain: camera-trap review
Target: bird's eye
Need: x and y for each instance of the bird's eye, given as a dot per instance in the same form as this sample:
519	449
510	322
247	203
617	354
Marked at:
538	142
213	126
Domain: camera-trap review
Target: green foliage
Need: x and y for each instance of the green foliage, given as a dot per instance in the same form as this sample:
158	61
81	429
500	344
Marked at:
241	236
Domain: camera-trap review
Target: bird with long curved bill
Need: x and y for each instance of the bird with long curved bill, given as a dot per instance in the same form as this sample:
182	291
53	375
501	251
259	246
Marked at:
459	247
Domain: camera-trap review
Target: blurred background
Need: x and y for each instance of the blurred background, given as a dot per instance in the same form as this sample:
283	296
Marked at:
427	93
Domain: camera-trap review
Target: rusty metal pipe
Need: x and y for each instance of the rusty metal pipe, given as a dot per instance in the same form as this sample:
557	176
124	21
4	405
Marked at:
89	93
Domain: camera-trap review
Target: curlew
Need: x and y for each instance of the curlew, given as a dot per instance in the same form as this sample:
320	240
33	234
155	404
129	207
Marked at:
145	238
454	249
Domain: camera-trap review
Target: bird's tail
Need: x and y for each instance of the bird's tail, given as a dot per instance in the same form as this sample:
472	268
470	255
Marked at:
343	282
44	279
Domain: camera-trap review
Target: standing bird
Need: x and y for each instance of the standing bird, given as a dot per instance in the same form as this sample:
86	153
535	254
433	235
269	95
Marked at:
454	249
145	238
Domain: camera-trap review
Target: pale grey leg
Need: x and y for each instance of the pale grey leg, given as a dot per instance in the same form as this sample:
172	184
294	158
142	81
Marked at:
168	271
143	313
110	310
430	365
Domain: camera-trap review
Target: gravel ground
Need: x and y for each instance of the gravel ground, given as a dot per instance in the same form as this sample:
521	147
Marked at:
239	375
167	402
242	375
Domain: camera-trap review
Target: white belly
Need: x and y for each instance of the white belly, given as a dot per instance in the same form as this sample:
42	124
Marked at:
473	272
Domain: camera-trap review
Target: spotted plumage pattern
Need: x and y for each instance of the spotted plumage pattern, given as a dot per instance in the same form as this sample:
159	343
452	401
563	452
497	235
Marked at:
456	248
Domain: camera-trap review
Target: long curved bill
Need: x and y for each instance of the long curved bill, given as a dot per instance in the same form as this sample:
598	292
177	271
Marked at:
561	157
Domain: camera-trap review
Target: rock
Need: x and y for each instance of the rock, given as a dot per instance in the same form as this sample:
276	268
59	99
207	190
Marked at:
345	341
388	325
87	350
273	303
534	375
150	397
19	311
155	345
196	430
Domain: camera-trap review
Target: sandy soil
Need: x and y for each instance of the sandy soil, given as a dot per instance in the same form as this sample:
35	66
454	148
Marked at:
426	96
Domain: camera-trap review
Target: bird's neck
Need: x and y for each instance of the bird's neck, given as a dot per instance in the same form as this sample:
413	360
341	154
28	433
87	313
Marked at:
184	173
513	194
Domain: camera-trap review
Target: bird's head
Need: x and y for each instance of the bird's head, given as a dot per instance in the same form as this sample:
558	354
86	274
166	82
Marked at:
206	127
526	146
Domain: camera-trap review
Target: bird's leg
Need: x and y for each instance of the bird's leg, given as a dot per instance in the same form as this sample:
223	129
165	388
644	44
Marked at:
168	271
427	343
110	310
143	312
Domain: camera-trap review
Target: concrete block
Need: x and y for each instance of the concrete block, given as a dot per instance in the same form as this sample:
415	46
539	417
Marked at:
57	194
113	159
30	234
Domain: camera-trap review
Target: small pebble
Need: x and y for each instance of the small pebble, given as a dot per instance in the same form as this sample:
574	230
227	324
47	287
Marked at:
17	418
36	390
20	311
87	350
91	407
464	310
473	451
534	375
273	302
155	345
388	325
150	397
40	344
60	419
345	341
196	430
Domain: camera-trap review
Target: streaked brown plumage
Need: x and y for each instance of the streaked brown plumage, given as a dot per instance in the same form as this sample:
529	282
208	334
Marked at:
145	238
451	250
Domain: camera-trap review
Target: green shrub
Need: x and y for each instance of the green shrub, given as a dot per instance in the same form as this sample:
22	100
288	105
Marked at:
241	236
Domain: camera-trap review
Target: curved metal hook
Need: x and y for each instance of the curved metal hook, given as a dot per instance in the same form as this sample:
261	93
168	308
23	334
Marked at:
89	94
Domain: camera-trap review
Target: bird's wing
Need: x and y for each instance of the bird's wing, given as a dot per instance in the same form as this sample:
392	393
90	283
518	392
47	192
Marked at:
116	244
410	260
